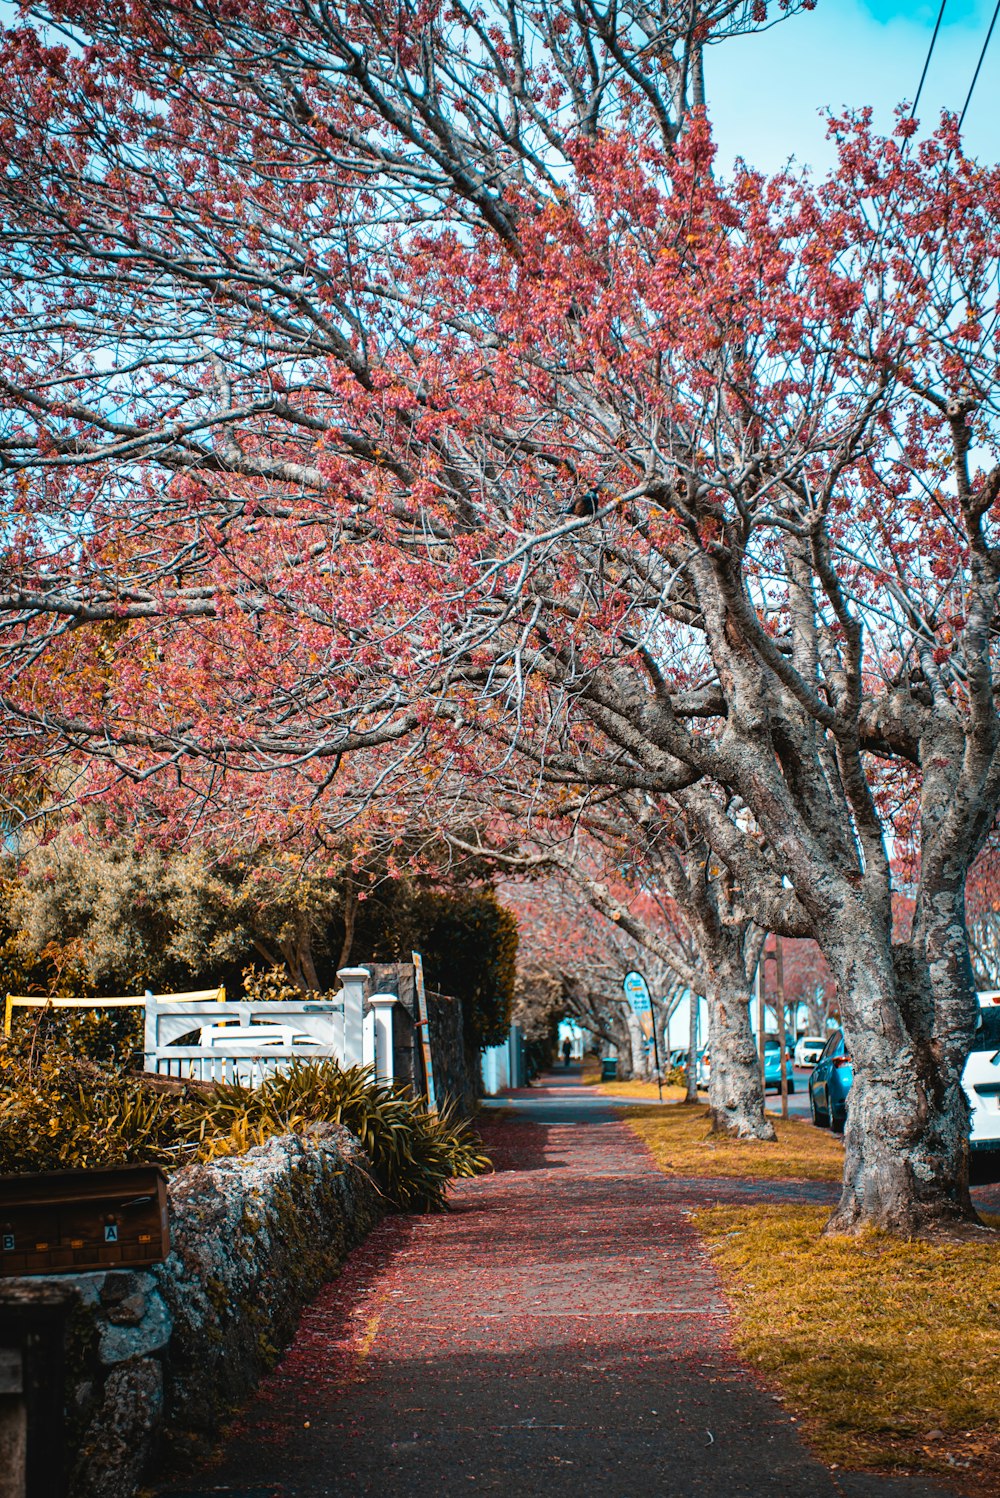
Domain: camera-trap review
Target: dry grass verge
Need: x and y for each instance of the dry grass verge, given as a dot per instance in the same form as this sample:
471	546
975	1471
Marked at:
681	1142
888	1351
592	1078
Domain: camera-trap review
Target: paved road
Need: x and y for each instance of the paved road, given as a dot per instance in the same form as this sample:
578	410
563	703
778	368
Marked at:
798	1102
559	1332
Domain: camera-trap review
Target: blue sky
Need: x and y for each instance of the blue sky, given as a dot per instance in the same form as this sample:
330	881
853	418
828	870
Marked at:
765	92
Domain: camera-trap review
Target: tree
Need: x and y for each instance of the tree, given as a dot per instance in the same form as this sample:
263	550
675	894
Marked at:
808	985
134	917
118	914
586	958
495	425
984	919
151	217
652	873
540	1003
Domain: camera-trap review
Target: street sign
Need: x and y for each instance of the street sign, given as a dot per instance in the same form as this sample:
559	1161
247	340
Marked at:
637	993
423	1025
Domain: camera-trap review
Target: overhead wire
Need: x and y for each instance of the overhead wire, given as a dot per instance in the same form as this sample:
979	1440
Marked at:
927	59
982	54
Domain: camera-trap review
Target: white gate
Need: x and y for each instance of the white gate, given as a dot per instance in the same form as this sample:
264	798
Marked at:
248	1041
240	1042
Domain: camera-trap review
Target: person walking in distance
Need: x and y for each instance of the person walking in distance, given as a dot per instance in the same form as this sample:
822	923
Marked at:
567	1050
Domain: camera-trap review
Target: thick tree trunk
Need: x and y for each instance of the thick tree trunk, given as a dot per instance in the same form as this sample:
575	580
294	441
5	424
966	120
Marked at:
906	1160
735	1094
637	1045
623	1044
692	1063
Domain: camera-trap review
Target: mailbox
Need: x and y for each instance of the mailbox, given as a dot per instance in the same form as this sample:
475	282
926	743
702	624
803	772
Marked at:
64	1222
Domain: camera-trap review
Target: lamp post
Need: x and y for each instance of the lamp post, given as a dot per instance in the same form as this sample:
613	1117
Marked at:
777	955
779	993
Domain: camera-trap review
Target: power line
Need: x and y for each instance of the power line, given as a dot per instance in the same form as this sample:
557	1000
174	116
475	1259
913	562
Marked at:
927	59
975	76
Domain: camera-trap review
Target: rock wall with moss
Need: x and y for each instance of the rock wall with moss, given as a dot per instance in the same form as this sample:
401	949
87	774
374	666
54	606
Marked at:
156	1358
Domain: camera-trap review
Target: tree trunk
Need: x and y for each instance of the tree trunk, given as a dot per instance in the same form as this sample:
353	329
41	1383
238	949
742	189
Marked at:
293	967
637	1046
735	1094
694	1000
350	912
906	1158
623	1044
817	1008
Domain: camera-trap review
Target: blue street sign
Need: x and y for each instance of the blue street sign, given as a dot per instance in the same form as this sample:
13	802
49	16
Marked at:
637	993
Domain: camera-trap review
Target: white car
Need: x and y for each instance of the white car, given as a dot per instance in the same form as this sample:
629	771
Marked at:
249	1045
981	1079
808	1049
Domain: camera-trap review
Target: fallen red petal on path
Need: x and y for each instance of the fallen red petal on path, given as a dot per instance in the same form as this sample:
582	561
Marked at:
561	1329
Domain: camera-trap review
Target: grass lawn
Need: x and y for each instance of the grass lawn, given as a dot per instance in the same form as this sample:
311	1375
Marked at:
888	1351
681	1142
592	1078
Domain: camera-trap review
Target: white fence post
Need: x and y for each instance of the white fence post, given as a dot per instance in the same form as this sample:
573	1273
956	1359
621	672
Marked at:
353	980
382	1005
368	1039
151	1039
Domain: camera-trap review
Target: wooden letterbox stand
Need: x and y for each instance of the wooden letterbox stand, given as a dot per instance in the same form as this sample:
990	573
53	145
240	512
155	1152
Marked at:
64	1222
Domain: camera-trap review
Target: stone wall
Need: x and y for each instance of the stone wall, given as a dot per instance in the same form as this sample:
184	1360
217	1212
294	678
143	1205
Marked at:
159	1355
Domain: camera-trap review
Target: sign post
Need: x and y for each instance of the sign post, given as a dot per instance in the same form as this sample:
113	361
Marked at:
760	980
637	993
779	989
423	1025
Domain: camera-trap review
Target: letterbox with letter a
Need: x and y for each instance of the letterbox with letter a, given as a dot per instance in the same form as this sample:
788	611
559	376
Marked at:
60	1222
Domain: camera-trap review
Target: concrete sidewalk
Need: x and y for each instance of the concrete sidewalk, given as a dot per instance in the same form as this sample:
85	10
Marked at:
559	1332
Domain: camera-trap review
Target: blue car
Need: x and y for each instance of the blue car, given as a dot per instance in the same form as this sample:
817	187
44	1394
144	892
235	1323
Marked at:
772	1067
829	1083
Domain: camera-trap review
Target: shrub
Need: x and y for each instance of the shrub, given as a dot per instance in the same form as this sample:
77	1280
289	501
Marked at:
59	1112
62	1112
414	1153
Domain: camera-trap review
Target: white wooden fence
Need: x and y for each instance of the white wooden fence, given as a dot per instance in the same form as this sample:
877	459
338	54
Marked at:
248	1041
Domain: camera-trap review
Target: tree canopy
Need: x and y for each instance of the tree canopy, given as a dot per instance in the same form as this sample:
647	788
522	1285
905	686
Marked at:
397	395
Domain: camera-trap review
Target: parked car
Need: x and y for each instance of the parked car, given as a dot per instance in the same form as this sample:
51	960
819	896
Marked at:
981	1080
829	1084
678	1057
808	1049
772	1066
833	1074
247	1047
